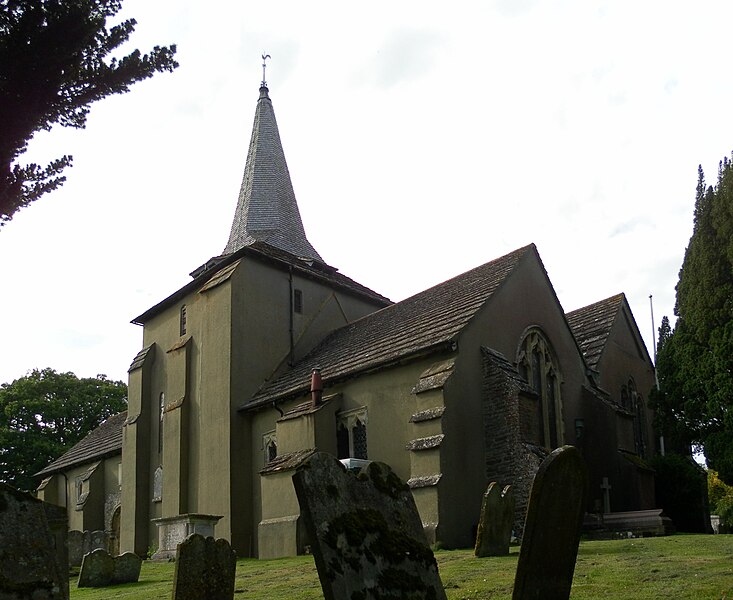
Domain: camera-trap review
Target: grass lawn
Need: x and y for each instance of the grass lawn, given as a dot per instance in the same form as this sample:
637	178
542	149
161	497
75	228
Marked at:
678	567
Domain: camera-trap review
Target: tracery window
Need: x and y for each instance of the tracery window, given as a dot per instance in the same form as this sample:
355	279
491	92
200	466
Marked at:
537	364
269	445
636	406
351	434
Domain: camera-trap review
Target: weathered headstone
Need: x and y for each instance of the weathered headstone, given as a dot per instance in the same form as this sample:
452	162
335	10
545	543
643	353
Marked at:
98	539
495	525
552	528
127	568
367	537
29	567
97	569
76	547
100	569
204	569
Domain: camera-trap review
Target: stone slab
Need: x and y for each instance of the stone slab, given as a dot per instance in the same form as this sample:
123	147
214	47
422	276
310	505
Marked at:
366	534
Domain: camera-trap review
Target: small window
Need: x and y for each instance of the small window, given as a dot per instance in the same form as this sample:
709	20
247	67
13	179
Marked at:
79	487
269	444
298	301
183	320
351	434
161	412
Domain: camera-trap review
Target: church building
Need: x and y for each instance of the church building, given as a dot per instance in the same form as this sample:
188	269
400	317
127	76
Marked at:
269	354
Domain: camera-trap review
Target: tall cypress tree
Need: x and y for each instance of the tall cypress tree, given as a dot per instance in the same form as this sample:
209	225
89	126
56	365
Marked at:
695	362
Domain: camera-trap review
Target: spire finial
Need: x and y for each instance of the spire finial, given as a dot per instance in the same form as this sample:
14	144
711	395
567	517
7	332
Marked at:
264	66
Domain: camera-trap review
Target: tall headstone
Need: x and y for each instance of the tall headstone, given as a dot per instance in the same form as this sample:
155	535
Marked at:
29	565
366	534
552	528
495	524
204	569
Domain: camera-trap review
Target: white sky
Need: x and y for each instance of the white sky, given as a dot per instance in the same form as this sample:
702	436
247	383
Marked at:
423	139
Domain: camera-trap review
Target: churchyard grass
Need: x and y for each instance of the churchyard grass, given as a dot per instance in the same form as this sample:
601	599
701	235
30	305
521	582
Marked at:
680	567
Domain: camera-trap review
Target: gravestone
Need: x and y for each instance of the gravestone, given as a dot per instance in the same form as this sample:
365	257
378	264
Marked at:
98	539
76	547
29	565
552	528
367	537
204	569
495	524
97	569
100	569
127	568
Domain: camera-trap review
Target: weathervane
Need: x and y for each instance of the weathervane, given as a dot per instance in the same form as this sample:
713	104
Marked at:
264	66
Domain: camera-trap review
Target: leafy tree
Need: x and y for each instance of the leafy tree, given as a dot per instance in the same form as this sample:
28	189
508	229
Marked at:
721	501
54	63
695	361
44	414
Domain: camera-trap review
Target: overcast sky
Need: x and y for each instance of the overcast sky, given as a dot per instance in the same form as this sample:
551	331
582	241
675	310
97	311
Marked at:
423	139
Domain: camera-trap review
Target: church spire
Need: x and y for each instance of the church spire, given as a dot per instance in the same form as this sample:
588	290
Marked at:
267	210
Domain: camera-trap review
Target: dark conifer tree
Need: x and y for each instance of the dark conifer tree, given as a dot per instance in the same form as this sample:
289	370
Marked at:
55	61
695	362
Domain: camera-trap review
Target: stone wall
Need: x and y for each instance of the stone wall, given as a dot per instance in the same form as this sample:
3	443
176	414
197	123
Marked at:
512	427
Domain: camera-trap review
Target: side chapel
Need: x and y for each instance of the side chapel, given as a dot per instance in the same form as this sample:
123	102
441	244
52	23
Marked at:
269	354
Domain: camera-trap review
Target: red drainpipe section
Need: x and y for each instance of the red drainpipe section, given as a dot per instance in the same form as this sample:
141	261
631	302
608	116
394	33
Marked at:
316	387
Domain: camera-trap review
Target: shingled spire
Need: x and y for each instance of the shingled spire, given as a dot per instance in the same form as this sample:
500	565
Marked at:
267	210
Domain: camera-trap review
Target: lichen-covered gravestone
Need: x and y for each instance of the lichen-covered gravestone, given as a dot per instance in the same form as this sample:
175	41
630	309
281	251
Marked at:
366	534
97	569
495	525
29	567
552	528
204	569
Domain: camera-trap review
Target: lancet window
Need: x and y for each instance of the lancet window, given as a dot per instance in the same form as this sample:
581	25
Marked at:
537	364
269	445
351	434
636	406
161	412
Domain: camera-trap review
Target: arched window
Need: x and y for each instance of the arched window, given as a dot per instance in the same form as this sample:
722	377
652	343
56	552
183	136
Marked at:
269	443
536	362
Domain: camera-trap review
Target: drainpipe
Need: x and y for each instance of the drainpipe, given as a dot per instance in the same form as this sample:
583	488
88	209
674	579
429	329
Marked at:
316	388
290	330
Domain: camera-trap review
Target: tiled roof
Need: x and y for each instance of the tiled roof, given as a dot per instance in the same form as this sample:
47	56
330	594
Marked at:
426	321
266	209
261	250
592	324
103	441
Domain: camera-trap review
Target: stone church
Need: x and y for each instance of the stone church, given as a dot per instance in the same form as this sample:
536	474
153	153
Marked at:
269	354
